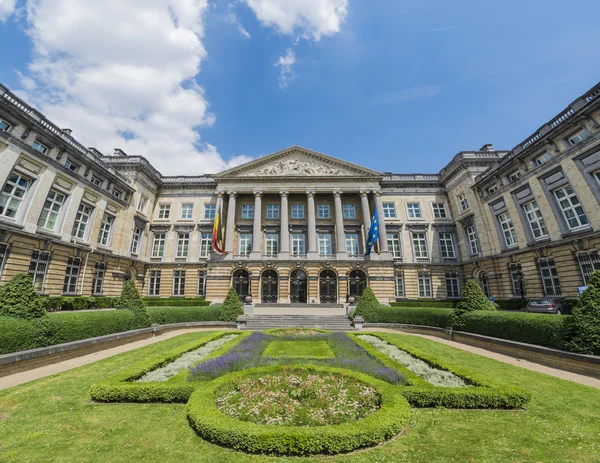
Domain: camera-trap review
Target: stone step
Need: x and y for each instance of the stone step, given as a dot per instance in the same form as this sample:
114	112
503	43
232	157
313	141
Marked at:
329	322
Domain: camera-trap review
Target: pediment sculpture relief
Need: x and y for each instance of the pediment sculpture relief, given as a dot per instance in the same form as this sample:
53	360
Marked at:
294	167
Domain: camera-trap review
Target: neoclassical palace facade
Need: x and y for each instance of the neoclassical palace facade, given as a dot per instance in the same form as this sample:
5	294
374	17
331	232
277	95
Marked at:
522	223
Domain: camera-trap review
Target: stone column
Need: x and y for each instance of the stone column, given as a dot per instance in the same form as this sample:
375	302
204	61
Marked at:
366	213
256	230
340	235
284	240
229	230
312	226
383	246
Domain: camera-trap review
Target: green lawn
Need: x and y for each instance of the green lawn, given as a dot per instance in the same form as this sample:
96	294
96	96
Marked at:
52	420
299	349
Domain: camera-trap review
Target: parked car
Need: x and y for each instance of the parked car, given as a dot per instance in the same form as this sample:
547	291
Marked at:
544	306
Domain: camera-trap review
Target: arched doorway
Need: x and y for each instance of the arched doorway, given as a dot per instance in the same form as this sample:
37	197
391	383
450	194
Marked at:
269	285
241	283
357	282
298	287
328	287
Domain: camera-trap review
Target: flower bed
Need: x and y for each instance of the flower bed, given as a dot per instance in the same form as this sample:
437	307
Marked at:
298	397
296	332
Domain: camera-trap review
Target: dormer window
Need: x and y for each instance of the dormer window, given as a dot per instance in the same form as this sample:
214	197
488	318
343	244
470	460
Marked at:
578	137
543	159
117	193
71	166
36	145
491	190
4	126
96	181
516	175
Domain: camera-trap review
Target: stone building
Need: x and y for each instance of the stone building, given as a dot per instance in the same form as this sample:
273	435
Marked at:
522	223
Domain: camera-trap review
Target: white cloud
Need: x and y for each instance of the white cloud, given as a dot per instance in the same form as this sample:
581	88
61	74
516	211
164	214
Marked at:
233	19
7	7
285	63
308	18
418	92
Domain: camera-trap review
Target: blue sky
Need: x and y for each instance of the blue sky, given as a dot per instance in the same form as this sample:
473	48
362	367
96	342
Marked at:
393	85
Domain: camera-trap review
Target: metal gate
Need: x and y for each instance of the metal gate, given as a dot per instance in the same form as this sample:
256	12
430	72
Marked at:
269	282
357	282
298	287
241	284
328	287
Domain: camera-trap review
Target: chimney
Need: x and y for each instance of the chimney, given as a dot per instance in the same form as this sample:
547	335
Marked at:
67	131
488	147
120	152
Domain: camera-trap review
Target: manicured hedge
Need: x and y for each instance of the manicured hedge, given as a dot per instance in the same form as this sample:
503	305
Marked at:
436	303
166	315
175	302
56	303
412	316
17	334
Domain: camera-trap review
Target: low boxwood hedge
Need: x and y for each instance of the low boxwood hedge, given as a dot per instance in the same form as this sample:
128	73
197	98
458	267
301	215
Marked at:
412	316
166	315
17	334
56	303
431	303
214	426
175	302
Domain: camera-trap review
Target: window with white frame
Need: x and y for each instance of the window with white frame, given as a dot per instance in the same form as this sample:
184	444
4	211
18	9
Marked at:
117	193
452	284
13	193
96	181
202	283
508	229
106	228
297	211
36	145
183	244
72	275
352	244
399	284
38	267
393	240
98	280
4	126
425	284
543	159
447	245
323	211
535	220
205	244
389	211
325	247
473	240
579	137
516	278
419	245
142	203
210	211
271	244
164	211
414	210
463	204
245	244
439	211
3	256
349	211
514	176
51	210
178	282
136	239
247	211
154	283
549	276
571	207
158	245
491	190
186	211
73	167
82	219
589	262
298	244
272	211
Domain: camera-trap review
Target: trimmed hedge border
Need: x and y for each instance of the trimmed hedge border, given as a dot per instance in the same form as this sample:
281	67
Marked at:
214	426
175	302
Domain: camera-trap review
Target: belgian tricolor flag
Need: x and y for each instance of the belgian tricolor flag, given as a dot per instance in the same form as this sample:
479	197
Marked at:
217	236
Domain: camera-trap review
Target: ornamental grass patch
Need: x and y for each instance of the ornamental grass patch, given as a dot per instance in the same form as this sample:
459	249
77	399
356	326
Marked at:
299	349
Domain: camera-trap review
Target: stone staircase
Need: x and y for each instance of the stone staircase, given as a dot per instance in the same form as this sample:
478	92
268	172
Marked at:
325	322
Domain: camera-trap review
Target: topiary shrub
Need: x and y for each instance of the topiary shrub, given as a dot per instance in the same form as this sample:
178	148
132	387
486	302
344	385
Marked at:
232	307
19	299
130	299
473	298
584	335
368	306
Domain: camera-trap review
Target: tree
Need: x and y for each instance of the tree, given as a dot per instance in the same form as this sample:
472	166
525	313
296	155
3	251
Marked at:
473	298
584	331
232	307
19	299
130	300
368	306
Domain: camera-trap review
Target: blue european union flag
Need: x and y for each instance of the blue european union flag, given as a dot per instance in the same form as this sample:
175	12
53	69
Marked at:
373	234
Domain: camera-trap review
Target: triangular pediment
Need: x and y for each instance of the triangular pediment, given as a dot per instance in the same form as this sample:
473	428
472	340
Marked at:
298	162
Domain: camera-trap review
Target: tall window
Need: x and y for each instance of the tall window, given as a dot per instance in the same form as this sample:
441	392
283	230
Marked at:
352	244
158	245
473	240
297	211
154	283
508	229
106	229
349	211
245	246
178	282
393	240
452	285
186	211
447	246
389	211
72	275
3	256
399	284
419	245
52	206
210	211
463	204
136	239
323	211
142	203
247	211
271	244
81	221
164	211
414	210
202	283
589	262
12	194
205	244
298	244
535	219
38	267
183	244
425	284
439	211
571	207
516	278
325	247
272	211
549	276
98	281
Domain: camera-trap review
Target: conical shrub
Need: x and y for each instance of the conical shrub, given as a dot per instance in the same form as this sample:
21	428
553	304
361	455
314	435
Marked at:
584	332
232	307
19	299
368	306
473	298
130	300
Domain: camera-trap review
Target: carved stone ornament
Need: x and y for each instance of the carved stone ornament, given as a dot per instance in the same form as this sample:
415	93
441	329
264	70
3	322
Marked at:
298	168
